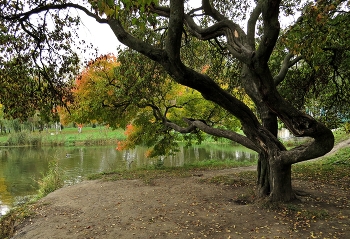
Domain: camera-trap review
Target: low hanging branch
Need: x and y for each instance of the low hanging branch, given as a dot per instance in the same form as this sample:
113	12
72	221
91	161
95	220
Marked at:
228	134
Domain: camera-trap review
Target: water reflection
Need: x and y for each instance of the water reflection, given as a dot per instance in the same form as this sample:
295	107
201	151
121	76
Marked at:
21	168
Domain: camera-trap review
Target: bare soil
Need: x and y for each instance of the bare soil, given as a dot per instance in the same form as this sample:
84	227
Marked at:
191	207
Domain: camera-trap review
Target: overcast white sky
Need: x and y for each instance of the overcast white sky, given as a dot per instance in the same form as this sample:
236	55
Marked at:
102	37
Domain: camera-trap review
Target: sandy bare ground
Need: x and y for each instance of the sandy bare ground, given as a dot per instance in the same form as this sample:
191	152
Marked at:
190	207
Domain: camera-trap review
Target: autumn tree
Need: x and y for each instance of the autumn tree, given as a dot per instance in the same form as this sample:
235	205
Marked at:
135	93
247	33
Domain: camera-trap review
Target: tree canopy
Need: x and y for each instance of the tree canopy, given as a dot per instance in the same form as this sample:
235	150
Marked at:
239	43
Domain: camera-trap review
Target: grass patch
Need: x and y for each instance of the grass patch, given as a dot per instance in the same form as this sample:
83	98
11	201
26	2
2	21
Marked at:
67	137
218	164
153	171
340	135
332	169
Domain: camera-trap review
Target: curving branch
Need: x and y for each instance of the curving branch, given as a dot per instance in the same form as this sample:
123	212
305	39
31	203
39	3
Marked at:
228	134
138	45
223	27
270	12
322	143
210	11
216	30
252	25
25	15
287	63
234	34
177	128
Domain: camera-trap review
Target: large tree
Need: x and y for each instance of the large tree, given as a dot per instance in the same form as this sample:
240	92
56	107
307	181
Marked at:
247	33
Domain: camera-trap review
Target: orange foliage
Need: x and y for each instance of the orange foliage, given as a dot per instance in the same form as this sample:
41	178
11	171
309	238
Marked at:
105	62
121	145
148	153
129	129
205	69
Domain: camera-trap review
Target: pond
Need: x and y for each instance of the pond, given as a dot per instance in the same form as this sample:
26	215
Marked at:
21	167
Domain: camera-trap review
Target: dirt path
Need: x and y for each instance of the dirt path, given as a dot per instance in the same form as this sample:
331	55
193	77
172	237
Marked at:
188	207
345	143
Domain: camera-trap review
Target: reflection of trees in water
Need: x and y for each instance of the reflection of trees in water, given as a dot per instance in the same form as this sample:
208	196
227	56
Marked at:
193	154
3	209
196	153
129	156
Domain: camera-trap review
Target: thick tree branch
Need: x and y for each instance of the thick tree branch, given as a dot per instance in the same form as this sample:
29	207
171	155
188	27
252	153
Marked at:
180	129
208	33
270	12
234	34
160	10
135	43
173	39
322	143
223	27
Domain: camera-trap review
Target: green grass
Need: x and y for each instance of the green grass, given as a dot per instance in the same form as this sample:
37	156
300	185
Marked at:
340	135
67	137
148	173
332	169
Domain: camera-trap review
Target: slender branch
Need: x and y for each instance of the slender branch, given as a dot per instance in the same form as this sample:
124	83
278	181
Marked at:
287	63
180	129
210	11
25	15
228	134
252	25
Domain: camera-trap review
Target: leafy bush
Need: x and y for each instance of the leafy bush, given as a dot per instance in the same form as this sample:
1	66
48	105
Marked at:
24	138
19	138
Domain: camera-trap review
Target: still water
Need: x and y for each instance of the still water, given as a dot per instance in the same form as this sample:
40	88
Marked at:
21	167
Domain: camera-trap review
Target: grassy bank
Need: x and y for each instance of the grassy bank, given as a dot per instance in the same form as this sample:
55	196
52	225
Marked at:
66	137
